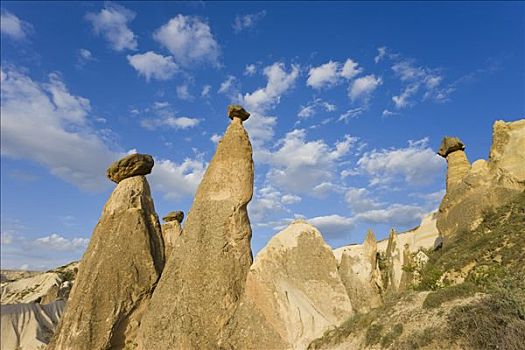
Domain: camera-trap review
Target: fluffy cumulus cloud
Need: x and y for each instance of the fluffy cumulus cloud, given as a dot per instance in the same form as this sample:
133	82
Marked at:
46	123
57	242
362	88
112	23
177	180
248	21
416	164
360	200
250	69
189	39
396	215
299	165
151	65
331	73
13	27
183	92
259	102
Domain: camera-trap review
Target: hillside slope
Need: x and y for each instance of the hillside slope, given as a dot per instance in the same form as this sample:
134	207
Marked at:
470	295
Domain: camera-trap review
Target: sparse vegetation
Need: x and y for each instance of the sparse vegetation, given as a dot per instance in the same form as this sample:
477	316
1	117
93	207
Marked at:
391	336
440	296
489	260
373	334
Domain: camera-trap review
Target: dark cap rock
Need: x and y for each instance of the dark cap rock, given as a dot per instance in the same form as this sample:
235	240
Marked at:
174	215
132	165
237	111
449	145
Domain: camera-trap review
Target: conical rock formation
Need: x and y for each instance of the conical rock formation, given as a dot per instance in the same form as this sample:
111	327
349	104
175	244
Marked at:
293	292
117	273
201	285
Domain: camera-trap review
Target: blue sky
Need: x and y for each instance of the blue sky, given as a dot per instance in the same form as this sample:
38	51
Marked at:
349	103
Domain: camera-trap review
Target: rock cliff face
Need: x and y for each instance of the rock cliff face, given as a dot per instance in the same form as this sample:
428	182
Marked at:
171	230
487	184
117	273
370	269
200	287
360	274
453	150
29	326
293	292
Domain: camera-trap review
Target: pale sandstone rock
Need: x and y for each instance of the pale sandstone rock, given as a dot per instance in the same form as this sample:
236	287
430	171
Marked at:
171	231
293	292
452	149
174	216
132	165
117	273
488	184
201	286
360	274
28	326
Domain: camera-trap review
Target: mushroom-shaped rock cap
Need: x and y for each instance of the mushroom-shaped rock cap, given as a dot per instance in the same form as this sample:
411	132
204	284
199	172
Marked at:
237	111
449	145
132	165
174	215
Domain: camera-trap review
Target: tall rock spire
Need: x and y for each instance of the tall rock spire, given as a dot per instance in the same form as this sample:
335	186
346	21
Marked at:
201	285
453	150
120	267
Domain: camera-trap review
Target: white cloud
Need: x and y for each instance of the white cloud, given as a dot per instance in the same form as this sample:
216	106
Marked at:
312	107
360	200
57	242
183	93
387	113
112	23
177	180
279	81
172	122
324	75
416	164
152	65
290	199
330	73
298	165
229	87
84	56
350	69
248	21
205	90
362	88
189	39
250	69
14	27
333	226
394	215
215	138
45	123
381	53
266	201
350	114
416	80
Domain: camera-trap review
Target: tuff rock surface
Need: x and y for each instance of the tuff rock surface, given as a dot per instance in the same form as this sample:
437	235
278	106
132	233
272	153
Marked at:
200	288
293	292
29	326
174	216
117	273
487	184
132	165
